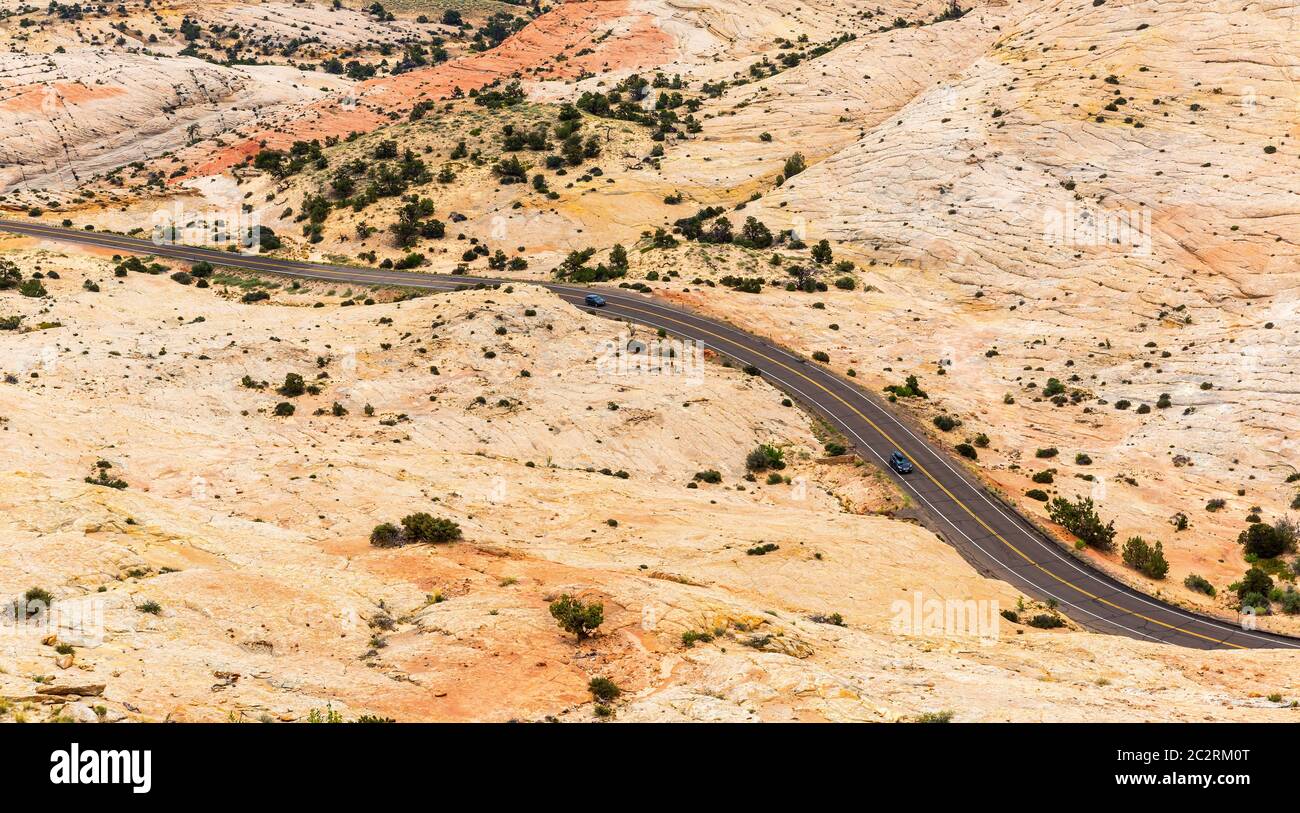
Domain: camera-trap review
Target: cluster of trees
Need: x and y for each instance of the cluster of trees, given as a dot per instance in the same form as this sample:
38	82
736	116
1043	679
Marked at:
282	164
12	278
627	102
575	267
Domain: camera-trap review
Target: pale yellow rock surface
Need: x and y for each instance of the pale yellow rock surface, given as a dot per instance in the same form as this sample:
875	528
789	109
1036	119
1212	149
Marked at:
249	531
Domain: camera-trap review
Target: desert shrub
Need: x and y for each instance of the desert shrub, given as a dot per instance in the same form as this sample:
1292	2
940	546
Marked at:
764	457
946	423
151	607
1200	584
1290	601
690	637
1081	519
1047	453
35	602
1144	558
1216	504
386	535
578	617
1254	582
284	409
708	476
101	477
293	386
967	451
1288	530
1037	494
944	716
1045	476
603	689
422	527
821	356
1262	540
1045	621
834	619
911	388
763	549
1082	459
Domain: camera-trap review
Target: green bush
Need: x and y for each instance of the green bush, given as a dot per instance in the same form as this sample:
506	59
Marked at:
1047	453
1200	584
765	457
386	535
1291	601
708	476
1045	621
1037	494
284	409
1255	581
946	423
422	527
1263	541
967	451
603	689
32	288
1080	518
1146	559
293	386
577	617
910	389
691	636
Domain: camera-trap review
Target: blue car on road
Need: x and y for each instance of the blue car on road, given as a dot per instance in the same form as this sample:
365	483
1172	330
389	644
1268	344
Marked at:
595	300
899	463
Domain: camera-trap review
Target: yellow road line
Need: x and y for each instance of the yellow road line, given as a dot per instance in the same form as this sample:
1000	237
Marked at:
245	260
934	480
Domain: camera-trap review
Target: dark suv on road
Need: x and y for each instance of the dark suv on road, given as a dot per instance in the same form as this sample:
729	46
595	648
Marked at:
899	463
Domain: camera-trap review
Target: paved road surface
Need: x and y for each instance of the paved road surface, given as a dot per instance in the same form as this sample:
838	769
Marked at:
994	537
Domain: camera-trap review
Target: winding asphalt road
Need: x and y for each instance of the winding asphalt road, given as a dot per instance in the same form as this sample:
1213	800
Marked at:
994	537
